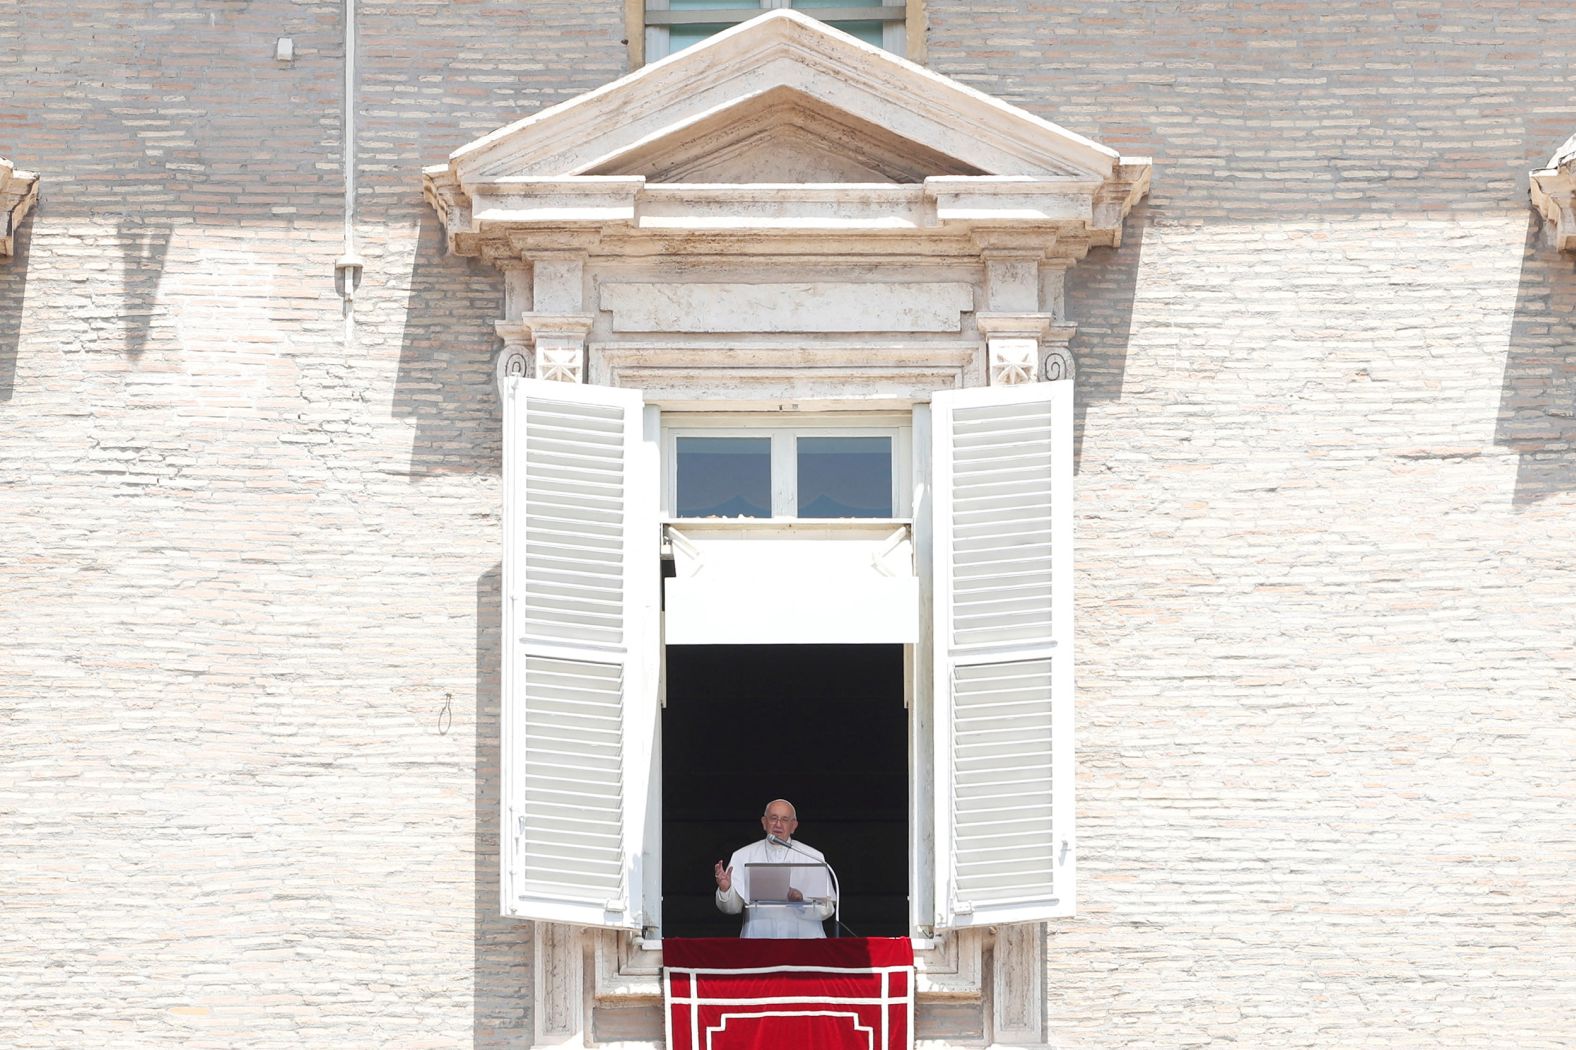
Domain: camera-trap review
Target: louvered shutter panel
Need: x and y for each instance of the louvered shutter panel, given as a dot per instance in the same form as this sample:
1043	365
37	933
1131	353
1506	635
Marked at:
580	570
1001	498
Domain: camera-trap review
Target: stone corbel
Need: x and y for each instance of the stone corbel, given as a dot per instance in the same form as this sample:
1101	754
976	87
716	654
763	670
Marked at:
515	357
1553	192
18	193
1025	347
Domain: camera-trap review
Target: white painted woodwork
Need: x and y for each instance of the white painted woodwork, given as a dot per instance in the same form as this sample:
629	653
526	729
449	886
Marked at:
791	582
922	703
579	682
1001	463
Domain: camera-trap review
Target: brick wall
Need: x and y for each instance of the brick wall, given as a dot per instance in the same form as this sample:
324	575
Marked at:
1326	475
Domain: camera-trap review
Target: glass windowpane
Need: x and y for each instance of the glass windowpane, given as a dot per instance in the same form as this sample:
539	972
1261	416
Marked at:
680	37
869	32
724	477
845	477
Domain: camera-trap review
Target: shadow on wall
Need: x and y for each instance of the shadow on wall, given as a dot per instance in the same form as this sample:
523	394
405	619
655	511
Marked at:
142	251
501	985
445	383
1100	292
13	293
1537	405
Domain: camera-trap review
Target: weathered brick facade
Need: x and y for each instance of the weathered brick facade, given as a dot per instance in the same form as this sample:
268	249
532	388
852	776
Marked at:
1326	567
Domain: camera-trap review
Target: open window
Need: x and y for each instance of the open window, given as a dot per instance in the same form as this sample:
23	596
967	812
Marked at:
986	663
794	533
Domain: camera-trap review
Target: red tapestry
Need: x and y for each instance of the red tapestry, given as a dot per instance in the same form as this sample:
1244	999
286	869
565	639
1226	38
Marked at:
734	994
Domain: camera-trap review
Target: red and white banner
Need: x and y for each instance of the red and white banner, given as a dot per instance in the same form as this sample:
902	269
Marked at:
734	994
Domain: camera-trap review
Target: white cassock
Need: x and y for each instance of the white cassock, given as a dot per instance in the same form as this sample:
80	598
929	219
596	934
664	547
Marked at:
790	921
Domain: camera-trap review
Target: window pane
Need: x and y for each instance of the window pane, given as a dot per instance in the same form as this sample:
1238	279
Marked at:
680	37
724	477
845	477
869	32
808	5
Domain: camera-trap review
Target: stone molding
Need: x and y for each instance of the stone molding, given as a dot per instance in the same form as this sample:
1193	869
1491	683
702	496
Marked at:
543	346
18	194
1553	192
1026	347
597	163
873	376
617	274
627	969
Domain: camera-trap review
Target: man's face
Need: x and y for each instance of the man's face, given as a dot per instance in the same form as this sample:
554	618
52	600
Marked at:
779	820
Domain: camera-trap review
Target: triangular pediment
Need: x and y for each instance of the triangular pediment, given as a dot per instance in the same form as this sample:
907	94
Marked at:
780	135
777	128
783	93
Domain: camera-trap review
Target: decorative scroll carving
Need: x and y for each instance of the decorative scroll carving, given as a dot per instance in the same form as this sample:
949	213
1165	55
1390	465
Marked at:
18	192
515	357
544	346
1056	354
1058	365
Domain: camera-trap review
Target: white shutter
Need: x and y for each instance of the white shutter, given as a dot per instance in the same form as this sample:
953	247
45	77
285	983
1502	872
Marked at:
1001	499
580	571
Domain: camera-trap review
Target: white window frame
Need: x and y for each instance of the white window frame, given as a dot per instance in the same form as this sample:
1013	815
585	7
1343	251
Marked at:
657	17
784	438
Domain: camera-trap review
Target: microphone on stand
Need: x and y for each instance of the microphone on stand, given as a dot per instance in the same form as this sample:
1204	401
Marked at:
837	889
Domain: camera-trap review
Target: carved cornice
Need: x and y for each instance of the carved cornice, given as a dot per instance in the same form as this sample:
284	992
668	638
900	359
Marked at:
604	162
1553	192
18	192
577	206
507	219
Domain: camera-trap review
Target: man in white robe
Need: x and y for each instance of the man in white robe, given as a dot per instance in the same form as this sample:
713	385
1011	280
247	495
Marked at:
800	919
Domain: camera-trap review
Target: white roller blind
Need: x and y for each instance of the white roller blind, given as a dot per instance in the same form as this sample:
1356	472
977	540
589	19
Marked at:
579	651
1001	462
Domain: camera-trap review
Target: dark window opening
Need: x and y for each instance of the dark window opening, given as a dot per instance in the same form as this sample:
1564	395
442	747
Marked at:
821	725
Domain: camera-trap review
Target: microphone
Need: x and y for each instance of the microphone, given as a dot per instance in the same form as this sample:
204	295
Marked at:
837	890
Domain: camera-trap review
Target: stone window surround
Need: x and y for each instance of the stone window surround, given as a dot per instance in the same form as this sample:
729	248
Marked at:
18	194
912	25
1553	192
601	258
